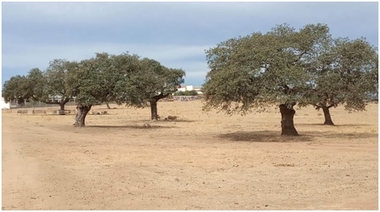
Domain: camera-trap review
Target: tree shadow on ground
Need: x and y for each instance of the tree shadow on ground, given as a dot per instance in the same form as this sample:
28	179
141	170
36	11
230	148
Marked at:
150	126
338	135
138	121
305	136
263	136
336	125
177	120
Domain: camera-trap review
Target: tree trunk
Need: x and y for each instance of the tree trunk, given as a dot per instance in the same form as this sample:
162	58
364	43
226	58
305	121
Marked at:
108	106
62	108
153	109
153	104
287	123
81	115
326	112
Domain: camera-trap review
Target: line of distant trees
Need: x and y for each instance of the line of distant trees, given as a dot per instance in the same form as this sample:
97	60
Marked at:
124	79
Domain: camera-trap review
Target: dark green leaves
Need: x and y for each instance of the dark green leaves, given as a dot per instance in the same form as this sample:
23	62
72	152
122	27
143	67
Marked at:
285	65
124	79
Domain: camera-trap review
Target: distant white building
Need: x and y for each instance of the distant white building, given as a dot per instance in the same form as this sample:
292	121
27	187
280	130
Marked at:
184	88
5	105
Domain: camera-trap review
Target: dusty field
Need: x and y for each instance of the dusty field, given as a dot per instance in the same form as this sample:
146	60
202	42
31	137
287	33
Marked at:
201	161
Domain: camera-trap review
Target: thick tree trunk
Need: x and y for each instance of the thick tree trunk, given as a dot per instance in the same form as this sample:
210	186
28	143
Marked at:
287	123
326	112
153	109
153	105
62	108
81	115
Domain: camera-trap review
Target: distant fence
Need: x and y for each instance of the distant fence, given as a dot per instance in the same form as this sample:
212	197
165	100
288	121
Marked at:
14	105
34	111
38	104
186	98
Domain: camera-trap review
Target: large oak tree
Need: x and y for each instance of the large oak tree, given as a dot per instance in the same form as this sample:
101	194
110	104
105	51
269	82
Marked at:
278	67
95	81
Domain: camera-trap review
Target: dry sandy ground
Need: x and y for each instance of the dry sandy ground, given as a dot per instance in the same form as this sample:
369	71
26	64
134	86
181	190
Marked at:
204	160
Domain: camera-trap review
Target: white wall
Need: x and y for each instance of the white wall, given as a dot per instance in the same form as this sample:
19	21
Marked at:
5	105
182	89
189	87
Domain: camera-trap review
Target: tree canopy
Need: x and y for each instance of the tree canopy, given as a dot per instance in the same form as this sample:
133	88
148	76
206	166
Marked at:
16	89
285	66
123	79
346	75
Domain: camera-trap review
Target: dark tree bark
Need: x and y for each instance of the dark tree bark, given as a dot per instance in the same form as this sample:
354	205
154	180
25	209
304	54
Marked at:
153	109
81	115
153	105
108	106
326	113
62	108
61	105
287	123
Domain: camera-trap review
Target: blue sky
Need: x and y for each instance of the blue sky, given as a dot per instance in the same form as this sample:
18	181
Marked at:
173	33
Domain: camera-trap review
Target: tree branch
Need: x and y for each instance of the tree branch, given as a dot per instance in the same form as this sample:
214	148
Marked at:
317	107
299	57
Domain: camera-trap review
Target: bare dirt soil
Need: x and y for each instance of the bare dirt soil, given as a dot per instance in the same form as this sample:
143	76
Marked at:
202	160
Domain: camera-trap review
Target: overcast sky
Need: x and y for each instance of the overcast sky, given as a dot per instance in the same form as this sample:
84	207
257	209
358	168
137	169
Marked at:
174	33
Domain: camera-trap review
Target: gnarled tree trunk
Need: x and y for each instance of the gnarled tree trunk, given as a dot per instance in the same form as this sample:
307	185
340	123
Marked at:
153	105
326	113
81	115
153	109
287	123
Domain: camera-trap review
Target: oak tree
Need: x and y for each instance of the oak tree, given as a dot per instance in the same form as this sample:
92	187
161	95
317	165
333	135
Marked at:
259	70
58	84
345	74
154	81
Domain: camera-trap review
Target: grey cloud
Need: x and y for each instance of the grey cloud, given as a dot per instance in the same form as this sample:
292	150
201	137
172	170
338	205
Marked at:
175	34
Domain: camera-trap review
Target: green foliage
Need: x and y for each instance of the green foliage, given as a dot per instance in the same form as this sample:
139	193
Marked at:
346	75
124	79
59	81
36	84
16	89
21	88
286	66
153	81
